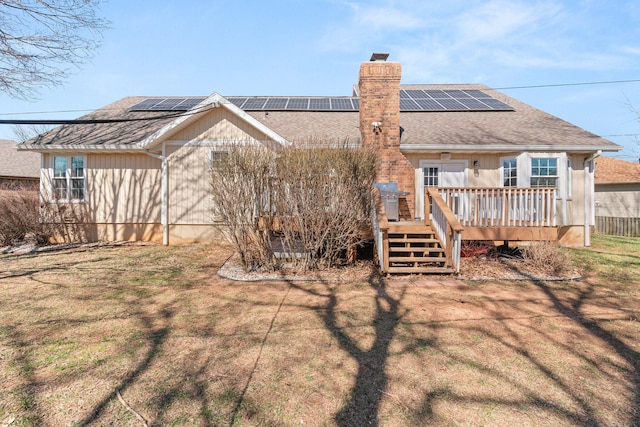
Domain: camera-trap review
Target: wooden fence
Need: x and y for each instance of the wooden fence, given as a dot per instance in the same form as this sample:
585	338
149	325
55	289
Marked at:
617	226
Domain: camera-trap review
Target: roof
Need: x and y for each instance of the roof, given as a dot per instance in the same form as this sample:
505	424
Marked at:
17	164
615	171
524	129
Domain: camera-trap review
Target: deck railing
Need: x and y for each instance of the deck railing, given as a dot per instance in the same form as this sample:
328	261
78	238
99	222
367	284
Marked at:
446	226
379	227
502	207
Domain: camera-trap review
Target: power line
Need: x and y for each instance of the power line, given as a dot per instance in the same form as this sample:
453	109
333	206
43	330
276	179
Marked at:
569	84
58	122
98	121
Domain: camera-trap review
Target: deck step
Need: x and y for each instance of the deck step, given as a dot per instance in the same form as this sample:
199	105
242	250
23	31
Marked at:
417	259
416	248
412	240
421	270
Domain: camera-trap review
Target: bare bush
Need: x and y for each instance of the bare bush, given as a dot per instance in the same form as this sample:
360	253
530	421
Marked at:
547	257
316	199
239	189
323	199
18	214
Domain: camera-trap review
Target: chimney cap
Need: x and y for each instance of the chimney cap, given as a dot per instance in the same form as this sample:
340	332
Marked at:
379	56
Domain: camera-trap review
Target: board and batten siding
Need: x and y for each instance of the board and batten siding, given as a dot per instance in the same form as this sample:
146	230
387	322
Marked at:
120	188
124	188
219	125
189	196
487	174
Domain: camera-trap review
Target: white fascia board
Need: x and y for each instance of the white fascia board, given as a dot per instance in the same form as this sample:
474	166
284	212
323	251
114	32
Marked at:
501	148
214	101
82	148
156	138
253	122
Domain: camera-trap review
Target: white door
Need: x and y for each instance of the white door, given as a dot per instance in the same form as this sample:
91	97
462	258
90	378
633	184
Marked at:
438	174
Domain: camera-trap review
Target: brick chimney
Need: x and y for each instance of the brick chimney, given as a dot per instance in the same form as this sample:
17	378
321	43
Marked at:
379	91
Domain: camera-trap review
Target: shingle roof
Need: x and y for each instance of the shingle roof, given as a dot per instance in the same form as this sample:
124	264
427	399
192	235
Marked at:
17	164
520	129
609	170
107	134
526	128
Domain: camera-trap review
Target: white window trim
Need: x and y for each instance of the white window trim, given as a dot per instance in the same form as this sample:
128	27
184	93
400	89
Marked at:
69	180
564	188
518	170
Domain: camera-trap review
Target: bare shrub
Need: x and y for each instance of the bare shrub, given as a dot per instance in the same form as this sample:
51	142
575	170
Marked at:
315	198
23	216
240	190
18	214
323	198
547	257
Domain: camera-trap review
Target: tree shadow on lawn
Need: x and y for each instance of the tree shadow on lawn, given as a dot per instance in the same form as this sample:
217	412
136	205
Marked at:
572	310
371	380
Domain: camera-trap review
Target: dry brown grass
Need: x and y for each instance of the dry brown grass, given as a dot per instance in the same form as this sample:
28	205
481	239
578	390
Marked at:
185	347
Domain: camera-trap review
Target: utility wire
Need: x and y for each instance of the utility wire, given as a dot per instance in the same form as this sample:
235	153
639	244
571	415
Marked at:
569	84
97	121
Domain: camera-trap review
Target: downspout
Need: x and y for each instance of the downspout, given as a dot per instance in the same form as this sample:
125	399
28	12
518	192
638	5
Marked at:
588	197
165	211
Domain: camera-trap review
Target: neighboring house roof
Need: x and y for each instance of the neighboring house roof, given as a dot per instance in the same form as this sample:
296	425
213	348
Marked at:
523	129
615	171
18	164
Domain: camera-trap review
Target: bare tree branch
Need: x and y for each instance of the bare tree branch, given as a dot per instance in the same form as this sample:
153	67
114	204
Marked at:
42	40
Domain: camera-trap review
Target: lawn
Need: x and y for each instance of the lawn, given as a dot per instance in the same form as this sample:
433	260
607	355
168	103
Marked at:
182	346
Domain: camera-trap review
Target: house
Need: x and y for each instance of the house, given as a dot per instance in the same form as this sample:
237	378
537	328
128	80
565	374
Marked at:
617	188
18	169
469	162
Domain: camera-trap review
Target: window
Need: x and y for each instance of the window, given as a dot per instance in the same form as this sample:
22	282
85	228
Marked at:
544	172
510	173
216	157
69	178
430	176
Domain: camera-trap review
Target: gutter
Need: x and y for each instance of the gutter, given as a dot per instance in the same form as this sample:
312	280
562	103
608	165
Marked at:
588	197
165	211
485	148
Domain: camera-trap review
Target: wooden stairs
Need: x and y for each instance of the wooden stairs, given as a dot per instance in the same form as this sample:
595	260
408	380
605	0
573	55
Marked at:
413	248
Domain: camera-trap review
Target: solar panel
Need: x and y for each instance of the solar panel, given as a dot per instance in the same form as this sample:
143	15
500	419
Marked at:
429	105
436	93
472	104
449	100
168	104
457	94
146	104
494	104
319	104
416	93
409	105
254	104
276	104
452	104
237	101
477	93
342	104
298	104
189	103
410	100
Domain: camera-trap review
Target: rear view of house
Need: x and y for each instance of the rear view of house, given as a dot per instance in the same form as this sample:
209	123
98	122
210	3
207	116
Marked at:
500	169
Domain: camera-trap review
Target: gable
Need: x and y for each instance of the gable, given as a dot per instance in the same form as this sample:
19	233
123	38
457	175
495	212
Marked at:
220	125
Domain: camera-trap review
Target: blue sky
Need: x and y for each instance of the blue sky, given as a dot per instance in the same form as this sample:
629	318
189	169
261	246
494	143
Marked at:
315	47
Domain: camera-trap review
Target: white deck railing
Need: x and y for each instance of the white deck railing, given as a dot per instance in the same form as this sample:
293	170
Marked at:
446	226
502	207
